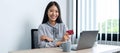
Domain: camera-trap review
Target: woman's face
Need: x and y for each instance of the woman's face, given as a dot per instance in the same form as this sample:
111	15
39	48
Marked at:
53	13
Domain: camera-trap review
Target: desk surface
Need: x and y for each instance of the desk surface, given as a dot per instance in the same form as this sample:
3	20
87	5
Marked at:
96	49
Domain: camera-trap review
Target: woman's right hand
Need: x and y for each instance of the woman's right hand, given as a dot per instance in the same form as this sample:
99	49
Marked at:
44	37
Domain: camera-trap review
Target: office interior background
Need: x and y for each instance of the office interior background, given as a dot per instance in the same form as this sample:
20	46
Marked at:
18	17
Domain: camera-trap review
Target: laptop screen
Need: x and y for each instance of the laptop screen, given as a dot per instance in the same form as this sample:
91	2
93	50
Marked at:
87	39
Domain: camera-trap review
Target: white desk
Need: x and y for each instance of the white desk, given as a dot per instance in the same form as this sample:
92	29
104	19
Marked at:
96	49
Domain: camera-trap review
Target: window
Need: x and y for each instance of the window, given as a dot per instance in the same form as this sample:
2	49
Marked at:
107	13
102	15
108	20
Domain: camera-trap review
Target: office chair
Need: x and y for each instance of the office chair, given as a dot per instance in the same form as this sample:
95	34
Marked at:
34	38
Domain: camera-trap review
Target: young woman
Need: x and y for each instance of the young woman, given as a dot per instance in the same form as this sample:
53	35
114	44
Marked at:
52	31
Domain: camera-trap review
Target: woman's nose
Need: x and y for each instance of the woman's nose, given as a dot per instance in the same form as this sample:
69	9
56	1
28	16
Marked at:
54	13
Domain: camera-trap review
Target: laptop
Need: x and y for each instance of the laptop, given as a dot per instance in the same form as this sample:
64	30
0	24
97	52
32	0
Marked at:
86	40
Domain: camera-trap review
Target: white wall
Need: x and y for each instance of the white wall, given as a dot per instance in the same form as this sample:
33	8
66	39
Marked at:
18	17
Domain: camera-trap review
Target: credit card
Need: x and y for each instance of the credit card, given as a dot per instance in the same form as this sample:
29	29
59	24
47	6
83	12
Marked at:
70	32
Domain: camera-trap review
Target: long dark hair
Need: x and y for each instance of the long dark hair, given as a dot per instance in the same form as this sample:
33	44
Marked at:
46	19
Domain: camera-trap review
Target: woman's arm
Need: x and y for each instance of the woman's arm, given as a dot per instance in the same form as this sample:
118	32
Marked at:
46	42
42	43
64	39
58	43
50	42
45	38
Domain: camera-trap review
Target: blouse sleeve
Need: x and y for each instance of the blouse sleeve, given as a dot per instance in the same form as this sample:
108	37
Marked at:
65	29
44	44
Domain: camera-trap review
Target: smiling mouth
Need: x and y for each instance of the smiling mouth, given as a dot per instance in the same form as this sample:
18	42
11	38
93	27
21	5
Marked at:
53	17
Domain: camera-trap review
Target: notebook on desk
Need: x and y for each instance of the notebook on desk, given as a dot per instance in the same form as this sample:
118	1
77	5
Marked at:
86	40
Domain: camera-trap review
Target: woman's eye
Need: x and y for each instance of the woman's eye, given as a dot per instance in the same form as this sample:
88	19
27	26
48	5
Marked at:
51	11
56	11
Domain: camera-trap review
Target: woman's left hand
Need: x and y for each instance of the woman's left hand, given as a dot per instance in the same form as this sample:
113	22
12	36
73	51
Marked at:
65	37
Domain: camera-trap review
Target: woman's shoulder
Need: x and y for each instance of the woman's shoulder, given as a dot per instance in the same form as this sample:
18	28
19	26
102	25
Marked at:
61	23
42	25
